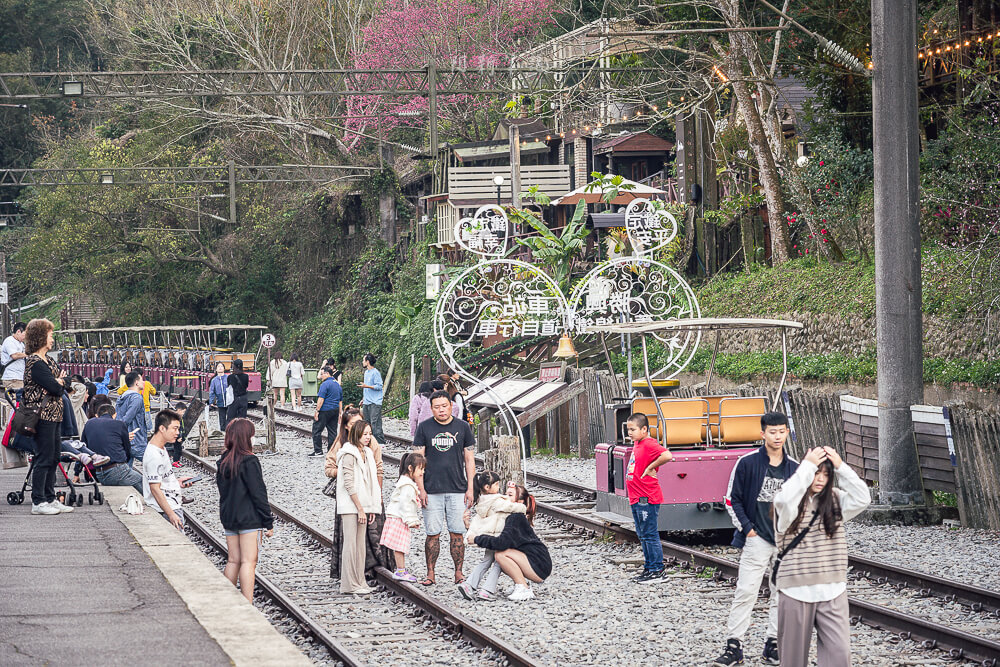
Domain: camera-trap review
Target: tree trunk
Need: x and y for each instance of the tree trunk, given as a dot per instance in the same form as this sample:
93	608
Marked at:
505	459
770	180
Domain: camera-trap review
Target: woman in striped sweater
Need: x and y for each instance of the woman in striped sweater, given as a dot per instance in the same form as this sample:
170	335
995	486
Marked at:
812	577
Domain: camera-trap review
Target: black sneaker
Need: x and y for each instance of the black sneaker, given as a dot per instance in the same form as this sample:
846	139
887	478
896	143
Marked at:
649	575
315	454
770	656
642	574
733	655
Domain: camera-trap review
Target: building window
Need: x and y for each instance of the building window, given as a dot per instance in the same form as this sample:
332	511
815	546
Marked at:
639	170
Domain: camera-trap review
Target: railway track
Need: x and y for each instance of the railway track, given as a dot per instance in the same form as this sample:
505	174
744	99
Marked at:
312	598
956	643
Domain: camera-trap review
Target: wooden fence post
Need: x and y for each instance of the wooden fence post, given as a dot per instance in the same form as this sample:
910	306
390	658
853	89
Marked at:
583	426
563	416
541	433
504	458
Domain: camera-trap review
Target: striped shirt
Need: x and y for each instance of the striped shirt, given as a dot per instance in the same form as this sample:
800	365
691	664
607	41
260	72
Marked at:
816	569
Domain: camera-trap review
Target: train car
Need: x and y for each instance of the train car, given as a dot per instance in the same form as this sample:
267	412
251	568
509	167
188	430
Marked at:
706	432
177	360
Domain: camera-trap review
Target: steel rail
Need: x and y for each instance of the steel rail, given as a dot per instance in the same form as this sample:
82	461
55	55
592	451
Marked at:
950	638
934	635
464	627
542	480
305	621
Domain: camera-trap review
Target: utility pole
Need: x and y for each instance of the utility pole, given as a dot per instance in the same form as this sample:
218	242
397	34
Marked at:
899	322
432	109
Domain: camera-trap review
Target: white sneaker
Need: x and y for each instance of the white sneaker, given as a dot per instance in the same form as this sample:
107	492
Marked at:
521	593
84	458
60	507
44	508
100	459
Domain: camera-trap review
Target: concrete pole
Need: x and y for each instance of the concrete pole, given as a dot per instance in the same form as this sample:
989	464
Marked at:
515	165
897	246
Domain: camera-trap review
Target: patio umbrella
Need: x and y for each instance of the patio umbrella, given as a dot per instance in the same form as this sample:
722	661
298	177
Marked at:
595	197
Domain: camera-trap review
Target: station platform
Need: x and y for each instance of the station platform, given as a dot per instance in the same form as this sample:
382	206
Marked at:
99	586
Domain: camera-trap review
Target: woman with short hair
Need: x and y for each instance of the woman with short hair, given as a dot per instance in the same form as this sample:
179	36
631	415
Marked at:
44	386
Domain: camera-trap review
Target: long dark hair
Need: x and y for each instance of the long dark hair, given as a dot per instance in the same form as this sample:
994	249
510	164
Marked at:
425	389
95	404
521	495
239	445
826	504
345	417
481	481
237	365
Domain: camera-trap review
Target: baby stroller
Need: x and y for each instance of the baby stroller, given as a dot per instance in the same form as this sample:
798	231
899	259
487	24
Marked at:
67	455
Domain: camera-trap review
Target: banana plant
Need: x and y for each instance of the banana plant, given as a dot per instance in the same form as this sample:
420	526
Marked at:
556	254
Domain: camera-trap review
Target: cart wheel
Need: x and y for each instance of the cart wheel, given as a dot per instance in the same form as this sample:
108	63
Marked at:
71	500
12	498
79	500
90	498
100	498
20	497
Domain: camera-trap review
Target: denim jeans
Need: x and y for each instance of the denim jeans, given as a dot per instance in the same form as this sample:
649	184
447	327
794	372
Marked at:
645	516
121	474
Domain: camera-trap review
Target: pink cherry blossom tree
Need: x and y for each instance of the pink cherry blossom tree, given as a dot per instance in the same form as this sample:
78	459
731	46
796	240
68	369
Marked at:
411	34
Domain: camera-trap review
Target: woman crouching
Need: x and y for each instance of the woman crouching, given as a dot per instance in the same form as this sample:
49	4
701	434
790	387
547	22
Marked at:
811	573
518	551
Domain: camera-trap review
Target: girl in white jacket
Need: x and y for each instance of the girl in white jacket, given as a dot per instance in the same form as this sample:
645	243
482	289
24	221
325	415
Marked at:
491	512
403	513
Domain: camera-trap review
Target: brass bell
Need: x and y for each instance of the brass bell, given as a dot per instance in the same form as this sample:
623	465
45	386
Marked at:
565	349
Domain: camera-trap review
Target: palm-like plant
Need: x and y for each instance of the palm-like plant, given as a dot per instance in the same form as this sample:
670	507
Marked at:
556	254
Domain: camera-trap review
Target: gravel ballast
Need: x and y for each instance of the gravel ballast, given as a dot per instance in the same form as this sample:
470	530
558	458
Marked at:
589	611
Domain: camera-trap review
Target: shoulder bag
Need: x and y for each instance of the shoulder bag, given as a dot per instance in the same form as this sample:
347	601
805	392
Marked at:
794	543
25	420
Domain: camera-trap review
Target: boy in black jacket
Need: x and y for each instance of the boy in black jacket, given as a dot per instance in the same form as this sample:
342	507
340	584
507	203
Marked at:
755	480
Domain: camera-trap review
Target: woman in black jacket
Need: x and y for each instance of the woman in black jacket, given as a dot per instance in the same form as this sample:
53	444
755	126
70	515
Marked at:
240	382
44	386
243	507
518	551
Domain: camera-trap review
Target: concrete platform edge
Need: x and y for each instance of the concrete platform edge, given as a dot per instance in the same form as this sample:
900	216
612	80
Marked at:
244	633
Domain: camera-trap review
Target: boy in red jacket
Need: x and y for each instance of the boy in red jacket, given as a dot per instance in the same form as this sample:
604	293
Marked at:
644	494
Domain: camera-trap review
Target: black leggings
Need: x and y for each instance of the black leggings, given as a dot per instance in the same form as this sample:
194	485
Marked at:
43	474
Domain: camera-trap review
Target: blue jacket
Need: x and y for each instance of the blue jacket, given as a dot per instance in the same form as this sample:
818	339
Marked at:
744	487
217	390
104	385
130	409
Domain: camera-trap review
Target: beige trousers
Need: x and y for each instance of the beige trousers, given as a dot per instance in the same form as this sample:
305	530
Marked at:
352	558
831	620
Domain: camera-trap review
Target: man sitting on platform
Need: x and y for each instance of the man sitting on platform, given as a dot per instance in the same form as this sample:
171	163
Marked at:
110	437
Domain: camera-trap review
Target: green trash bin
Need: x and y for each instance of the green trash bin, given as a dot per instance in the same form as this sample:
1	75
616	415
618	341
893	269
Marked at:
309	385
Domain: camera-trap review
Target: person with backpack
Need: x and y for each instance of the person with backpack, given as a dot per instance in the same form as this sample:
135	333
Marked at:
811	569
240	382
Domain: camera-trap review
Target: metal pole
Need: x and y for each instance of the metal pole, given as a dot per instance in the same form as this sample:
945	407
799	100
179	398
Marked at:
661	430
897	247
784	369
711	366
232	192
5	326
432	109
